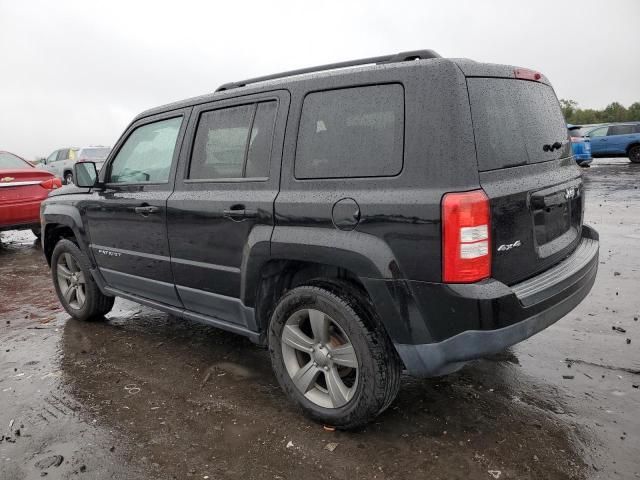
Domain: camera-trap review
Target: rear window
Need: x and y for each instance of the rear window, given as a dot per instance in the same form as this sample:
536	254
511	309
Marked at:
351	132
9	160
576	132
90	153
513	120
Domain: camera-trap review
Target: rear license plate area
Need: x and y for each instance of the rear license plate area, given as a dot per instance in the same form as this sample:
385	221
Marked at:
551	222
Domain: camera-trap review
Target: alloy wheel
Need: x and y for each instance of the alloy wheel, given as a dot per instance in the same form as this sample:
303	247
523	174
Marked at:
71	281
319	358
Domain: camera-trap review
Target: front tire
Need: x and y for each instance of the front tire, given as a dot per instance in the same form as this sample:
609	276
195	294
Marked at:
68	178
634	154
331	357
76	289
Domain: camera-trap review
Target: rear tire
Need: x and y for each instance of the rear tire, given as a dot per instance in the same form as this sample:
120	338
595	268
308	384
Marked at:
634	154
77	291
352	370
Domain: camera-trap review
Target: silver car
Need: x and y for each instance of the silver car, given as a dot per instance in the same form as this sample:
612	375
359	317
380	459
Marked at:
61	161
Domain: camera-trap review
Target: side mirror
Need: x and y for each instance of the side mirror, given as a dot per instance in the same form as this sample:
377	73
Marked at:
85	174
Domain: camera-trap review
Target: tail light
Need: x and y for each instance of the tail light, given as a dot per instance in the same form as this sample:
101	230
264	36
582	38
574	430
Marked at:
51	184
466	223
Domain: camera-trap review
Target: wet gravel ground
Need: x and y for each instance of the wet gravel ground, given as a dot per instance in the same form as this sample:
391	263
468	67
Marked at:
145	395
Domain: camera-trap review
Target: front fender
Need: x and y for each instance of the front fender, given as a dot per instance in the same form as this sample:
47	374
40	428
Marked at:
67	215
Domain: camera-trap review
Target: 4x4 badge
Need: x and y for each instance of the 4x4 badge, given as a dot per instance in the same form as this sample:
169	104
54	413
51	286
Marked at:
569	193
509	246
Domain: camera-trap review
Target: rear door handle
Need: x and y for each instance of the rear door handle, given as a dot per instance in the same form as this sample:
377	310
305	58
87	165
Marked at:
146	210
238	212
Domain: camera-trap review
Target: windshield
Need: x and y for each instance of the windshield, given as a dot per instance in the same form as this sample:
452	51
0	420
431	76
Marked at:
94	153
9	160
516	122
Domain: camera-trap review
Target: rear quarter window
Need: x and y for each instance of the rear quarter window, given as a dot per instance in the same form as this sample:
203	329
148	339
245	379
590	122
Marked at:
513	120
351	132
621	129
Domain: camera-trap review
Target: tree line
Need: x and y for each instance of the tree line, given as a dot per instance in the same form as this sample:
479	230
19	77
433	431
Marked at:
614	112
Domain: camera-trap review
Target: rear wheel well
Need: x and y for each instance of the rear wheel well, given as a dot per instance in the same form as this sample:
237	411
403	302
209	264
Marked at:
279	276
629	147
53	234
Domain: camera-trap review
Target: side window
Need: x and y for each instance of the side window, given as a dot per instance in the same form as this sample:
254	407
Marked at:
233	142
63	154
147	154
598	132
352	132
52	157
259	152
620	129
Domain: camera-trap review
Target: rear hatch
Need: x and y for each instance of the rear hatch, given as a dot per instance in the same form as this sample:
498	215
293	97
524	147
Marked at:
526	169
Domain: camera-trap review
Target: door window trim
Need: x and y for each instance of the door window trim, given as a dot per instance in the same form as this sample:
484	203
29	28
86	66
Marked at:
240	102
181	113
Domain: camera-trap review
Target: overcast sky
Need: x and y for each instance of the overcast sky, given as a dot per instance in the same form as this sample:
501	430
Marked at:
77	72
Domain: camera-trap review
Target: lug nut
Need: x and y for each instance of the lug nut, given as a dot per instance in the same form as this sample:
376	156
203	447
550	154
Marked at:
326	369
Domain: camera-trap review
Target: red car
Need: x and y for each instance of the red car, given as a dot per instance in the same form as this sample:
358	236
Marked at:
22	188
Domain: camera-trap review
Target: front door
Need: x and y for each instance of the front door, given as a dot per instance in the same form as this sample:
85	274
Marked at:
127	220
221	211
599	141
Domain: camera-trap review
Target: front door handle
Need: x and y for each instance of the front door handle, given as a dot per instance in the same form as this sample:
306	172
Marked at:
146	210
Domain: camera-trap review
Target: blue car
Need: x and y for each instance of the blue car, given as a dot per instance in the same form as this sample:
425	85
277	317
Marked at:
580	145
616	140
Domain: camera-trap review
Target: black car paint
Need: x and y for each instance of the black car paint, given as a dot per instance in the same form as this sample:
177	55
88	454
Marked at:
393	248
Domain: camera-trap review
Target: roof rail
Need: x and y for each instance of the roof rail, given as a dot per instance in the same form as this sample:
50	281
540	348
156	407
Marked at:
394	58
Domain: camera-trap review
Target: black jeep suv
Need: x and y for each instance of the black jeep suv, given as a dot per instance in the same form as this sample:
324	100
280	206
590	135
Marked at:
404	212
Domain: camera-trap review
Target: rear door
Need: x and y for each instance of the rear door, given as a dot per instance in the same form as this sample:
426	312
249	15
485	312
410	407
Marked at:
222	209
64	164
128	219
525	165
620	136
49	163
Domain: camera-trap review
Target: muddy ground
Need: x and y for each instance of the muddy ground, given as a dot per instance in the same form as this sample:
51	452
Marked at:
145	395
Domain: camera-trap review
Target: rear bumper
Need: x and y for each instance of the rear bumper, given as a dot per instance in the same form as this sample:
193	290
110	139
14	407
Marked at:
439	327
22	215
